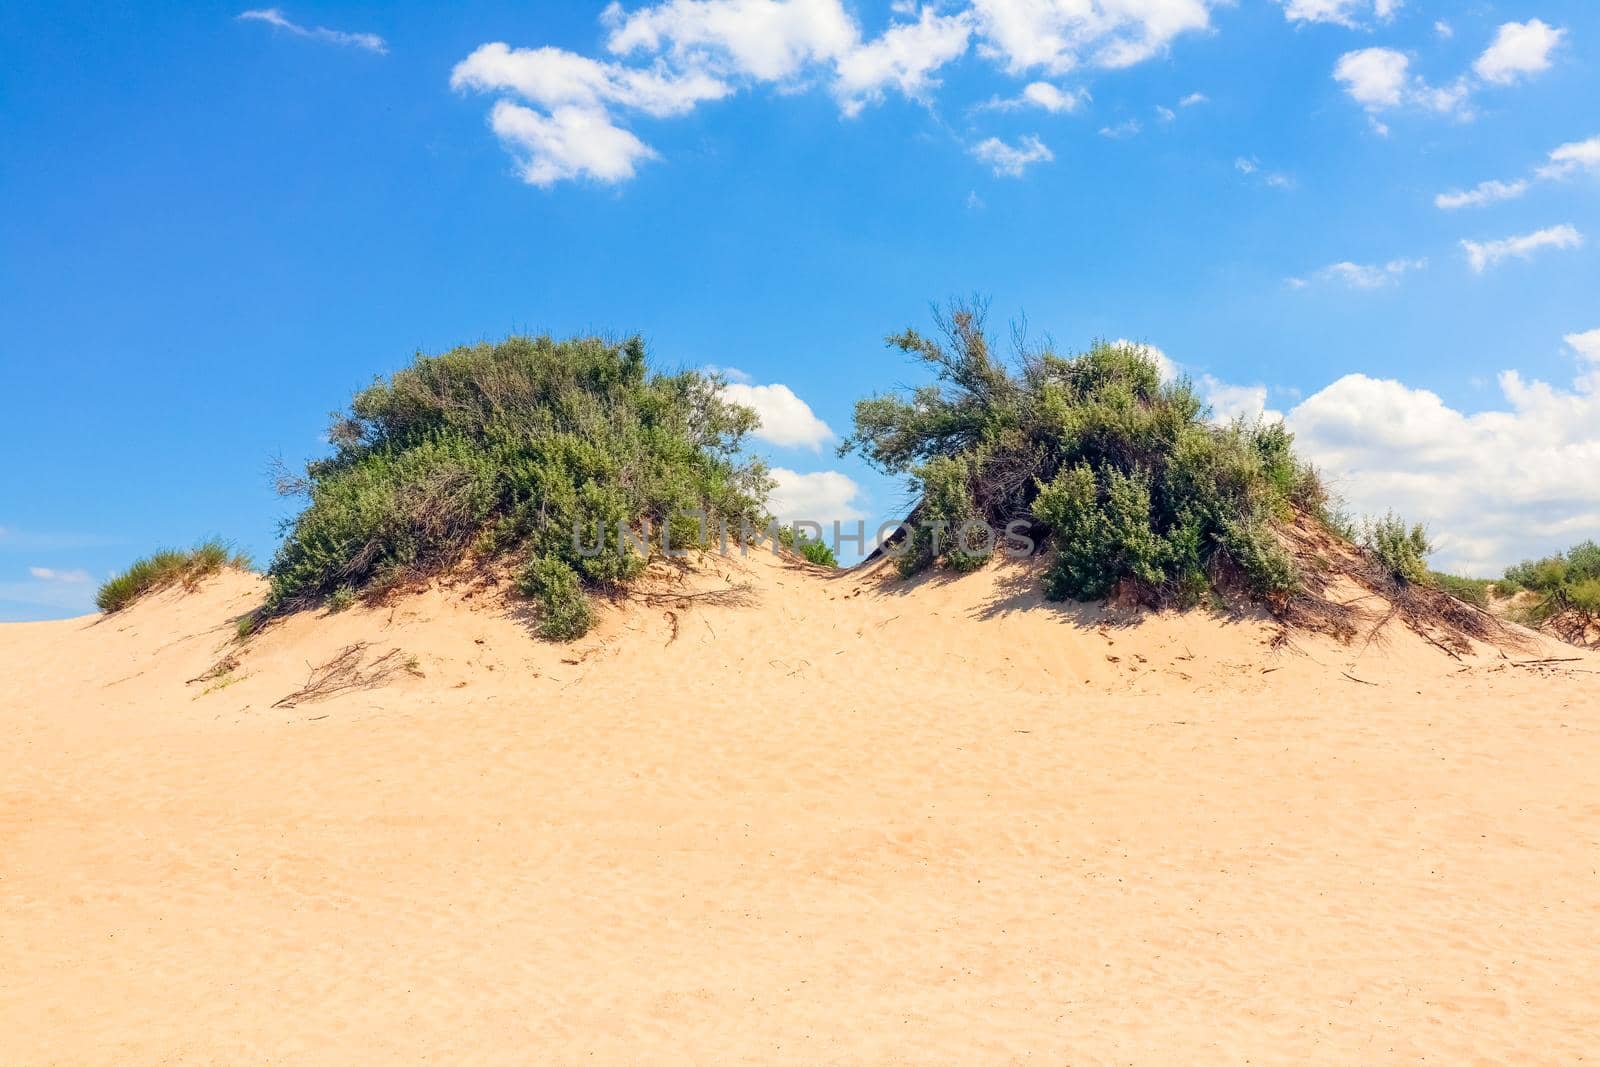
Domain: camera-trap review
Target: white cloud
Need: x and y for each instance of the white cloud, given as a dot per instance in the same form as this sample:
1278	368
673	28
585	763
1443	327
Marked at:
1339	12
768	40
786	420
1369	276
1121	130
1375	78
1489	192
823	497
905	56
571	142
1059	35
1194	98
1485	254
1493	487
273	16
50	574
1586	345
571	113
1571	158
1165	114
1250	166
1052	98
1519	48
552	78
1380	79
1012	160
1443	29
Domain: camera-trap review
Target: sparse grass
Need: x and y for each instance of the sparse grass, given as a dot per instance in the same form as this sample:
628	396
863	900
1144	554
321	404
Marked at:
166	568
526	448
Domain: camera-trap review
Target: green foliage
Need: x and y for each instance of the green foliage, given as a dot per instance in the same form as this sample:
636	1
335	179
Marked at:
1566	582
1475	591
511	448
1123	475
567	611
812	549
340	598
165	568
1402	549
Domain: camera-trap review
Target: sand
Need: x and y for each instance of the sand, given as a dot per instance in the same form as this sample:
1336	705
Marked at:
853	822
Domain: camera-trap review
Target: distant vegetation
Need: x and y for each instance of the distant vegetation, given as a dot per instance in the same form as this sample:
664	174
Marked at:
167	568
505	449
1566	587
812	549
1121	474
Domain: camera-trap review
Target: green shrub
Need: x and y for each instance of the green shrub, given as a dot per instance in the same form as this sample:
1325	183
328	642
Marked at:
812	549
1475	591
1402	550
526	447
1123	475
340	598
165	568
567	611
1566	582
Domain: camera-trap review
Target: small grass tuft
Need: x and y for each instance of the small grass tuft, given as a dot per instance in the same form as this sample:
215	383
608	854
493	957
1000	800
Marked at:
166	568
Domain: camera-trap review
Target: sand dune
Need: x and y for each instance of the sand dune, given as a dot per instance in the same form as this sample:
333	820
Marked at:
853	821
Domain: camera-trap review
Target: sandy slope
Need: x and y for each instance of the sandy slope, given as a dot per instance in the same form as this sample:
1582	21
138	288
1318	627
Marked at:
855	822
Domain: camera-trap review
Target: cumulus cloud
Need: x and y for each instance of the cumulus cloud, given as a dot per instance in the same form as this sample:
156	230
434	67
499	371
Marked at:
1194	99
1571	158
552	78
1481	255
1349	13
669	57
1586	345
1519	49
1489	192
905	57
823	497
786	420
1493	487
1012	160
570	142
275	17
1057	36
1053	98
1380	79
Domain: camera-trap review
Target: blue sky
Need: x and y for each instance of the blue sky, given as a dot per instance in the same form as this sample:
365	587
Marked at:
1379	221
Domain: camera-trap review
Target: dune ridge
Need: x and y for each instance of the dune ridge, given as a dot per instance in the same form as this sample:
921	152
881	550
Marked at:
830	818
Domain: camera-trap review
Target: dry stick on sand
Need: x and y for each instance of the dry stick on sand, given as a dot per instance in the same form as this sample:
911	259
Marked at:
343	673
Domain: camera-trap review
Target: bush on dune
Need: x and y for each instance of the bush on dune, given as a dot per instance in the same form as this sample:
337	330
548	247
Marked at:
165	568
811	549
1120	473
1132	487
510	448
1565	585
